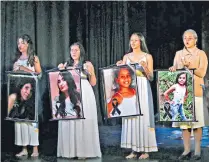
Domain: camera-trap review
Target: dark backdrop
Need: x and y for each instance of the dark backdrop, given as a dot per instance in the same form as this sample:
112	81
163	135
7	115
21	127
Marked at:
104	29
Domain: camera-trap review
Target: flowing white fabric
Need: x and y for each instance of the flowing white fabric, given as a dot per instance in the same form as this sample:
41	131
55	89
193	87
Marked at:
80	138
138	133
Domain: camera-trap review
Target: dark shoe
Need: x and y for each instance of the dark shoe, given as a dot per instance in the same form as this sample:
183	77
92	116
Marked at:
196	157
185	157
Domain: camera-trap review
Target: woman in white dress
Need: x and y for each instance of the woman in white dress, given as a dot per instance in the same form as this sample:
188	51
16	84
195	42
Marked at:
138	133
80	138
26	133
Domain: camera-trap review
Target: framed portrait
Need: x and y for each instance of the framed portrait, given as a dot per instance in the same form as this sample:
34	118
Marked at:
65	94
175	91
120	91
22	96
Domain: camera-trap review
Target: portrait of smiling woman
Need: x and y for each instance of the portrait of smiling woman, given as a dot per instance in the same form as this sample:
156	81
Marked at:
124	100
21	103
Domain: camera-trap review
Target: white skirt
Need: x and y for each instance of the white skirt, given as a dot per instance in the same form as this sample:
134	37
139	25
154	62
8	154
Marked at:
80	138
138	133
26	133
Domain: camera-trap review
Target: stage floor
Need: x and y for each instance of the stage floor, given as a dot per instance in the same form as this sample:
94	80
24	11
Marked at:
169	142
162	155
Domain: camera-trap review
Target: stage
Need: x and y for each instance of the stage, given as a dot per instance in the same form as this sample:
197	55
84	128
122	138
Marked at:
169	142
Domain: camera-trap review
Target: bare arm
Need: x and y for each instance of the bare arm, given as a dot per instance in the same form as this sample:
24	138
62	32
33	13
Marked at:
11	101
119	99
148	68
92	76
37	66
170	90
186	95
122	62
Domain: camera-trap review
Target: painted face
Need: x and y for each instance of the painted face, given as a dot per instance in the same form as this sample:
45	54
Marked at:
135	41
182	79
124	78
189	40
75	52
26	91
22	45
62	84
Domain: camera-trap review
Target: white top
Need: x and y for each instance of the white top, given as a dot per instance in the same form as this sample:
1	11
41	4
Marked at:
138	66
24	63
68	108
127	107
179	93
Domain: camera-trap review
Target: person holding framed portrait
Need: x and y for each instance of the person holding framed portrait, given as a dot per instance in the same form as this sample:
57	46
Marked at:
191	57
80	138
26	133
138	133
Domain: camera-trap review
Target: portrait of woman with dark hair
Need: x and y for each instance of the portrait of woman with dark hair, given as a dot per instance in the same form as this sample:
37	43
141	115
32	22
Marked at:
21	104
67	104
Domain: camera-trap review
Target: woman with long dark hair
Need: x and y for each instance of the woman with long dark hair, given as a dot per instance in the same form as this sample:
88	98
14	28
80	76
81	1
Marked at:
26	60
67	104
80	138
21	103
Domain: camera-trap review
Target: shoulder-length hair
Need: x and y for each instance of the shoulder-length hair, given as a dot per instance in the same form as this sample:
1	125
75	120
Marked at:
30	50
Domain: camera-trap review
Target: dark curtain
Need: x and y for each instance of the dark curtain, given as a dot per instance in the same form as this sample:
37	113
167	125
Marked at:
104	29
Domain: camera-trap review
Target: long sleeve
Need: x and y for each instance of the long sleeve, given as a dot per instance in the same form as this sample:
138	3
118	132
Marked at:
177	60
203	64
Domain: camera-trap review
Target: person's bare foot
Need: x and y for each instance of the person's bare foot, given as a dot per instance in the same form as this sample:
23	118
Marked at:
22	153
144	156
35	154
131	155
